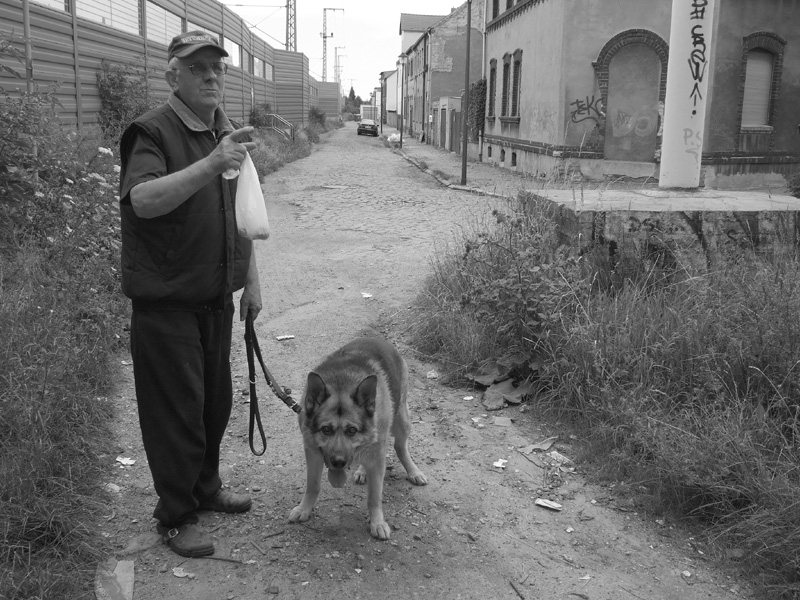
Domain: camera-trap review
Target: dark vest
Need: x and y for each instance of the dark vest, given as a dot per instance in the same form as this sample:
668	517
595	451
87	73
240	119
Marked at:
192	257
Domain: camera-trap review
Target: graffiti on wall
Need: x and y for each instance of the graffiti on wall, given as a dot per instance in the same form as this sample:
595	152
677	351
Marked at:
697	58
588	109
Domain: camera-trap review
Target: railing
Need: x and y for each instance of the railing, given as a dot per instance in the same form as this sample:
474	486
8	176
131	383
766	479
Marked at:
282	126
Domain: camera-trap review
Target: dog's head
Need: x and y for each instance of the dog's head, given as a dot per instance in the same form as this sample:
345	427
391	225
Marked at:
340	416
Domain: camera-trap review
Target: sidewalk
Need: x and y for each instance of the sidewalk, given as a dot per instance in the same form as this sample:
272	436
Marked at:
446	166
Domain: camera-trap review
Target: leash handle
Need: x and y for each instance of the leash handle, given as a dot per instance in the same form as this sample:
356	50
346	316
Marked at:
284	393
255	415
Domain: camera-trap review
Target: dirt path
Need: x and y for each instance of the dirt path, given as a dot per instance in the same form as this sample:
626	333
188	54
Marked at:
353	228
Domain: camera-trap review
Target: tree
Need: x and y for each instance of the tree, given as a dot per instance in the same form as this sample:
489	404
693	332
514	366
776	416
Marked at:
353	103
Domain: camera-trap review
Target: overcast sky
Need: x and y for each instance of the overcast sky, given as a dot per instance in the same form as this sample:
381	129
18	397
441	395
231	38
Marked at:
366	33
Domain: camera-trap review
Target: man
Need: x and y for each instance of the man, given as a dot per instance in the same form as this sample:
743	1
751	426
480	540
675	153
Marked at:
182	259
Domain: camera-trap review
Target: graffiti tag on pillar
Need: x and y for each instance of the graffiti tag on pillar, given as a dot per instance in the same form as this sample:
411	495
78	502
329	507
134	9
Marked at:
693	141
697	59
587	109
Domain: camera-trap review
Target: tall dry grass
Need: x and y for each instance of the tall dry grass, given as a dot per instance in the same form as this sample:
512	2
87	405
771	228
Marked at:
681	382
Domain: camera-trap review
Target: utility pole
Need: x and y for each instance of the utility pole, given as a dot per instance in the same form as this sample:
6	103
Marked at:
465	102
325	37
291	25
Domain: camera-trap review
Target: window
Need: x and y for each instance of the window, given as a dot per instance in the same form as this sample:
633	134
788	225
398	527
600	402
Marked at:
506	85
118	14
267	71
258	67
62	5
509	4
492	86
234	53
761	70
515	87
162	25
246	64
757	88
495	8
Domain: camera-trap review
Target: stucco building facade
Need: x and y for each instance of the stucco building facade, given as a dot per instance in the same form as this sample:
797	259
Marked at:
580	85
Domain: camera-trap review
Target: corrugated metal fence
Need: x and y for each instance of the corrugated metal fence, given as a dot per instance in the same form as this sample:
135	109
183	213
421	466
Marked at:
69	39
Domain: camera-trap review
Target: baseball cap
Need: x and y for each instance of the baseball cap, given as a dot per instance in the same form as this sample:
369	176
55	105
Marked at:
190	42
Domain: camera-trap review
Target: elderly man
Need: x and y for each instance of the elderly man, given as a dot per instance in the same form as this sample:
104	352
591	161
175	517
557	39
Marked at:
182	259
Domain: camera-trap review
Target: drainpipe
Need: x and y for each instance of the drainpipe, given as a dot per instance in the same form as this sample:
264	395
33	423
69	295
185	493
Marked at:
483	75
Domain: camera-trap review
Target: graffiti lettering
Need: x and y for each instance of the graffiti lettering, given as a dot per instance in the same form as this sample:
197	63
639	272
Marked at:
693	141
699	9
587	109
697	62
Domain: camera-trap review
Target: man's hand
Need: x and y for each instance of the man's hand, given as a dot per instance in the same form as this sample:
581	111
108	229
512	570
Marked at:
230	152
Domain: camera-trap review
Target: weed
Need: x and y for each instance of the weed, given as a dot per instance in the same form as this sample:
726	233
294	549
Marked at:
684	384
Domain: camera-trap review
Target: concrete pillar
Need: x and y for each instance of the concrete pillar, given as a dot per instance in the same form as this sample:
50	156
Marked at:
688	72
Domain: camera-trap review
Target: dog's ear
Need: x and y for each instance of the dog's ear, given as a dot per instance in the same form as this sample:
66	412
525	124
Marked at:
316	392
365	394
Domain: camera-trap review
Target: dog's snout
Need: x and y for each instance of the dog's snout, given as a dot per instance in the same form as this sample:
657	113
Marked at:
338	463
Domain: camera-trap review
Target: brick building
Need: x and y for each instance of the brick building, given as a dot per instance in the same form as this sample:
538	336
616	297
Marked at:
581	85
435	65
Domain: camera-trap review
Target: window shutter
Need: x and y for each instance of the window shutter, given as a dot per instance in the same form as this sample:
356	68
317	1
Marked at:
757	89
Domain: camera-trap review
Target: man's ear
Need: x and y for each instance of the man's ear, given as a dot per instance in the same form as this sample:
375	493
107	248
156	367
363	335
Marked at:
172	78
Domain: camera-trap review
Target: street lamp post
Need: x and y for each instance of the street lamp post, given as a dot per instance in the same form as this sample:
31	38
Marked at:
402	97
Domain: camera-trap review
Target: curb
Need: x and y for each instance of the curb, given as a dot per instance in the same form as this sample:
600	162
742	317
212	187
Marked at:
445	182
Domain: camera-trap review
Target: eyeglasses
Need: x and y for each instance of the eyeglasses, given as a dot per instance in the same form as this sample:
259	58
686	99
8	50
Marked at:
201	68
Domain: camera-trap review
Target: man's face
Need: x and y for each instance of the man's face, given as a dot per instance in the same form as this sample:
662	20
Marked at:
202	92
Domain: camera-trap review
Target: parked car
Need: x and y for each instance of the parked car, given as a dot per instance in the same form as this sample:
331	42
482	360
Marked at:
367	127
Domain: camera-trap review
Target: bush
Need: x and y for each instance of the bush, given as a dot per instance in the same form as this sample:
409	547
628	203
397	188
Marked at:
317	117
261	116
60	307
793	184
684	387
124	95
505	286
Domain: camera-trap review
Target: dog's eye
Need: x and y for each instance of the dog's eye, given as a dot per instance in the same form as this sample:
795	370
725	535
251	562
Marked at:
326	430
350	431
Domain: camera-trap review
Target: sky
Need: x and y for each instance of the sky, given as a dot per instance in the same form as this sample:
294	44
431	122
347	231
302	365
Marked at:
365	33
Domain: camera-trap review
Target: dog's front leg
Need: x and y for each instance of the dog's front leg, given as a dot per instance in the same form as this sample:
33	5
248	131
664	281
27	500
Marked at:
378	526
314	465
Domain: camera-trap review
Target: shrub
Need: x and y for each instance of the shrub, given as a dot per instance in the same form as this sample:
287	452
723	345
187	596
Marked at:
477	109
506	286
124	95
793	184
683	385
316	117
59	309
261	116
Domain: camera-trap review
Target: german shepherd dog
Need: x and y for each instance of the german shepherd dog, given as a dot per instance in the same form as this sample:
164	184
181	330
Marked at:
351	403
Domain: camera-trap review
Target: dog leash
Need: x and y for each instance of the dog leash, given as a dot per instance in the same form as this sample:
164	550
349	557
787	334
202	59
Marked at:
284	393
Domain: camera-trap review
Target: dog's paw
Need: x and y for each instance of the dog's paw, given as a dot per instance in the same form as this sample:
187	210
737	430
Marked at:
380	531
360	476
417	478
299	514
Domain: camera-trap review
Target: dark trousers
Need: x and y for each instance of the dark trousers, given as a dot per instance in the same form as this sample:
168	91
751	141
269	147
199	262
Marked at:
181	366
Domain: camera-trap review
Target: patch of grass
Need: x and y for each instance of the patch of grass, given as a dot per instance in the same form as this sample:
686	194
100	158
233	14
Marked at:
60	309
682	383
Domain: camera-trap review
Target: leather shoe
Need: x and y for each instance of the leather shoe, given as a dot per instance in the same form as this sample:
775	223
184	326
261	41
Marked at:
227	502
188	540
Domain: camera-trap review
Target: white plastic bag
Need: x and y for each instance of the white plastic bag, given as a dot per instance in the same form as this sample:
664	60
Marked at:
251	210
